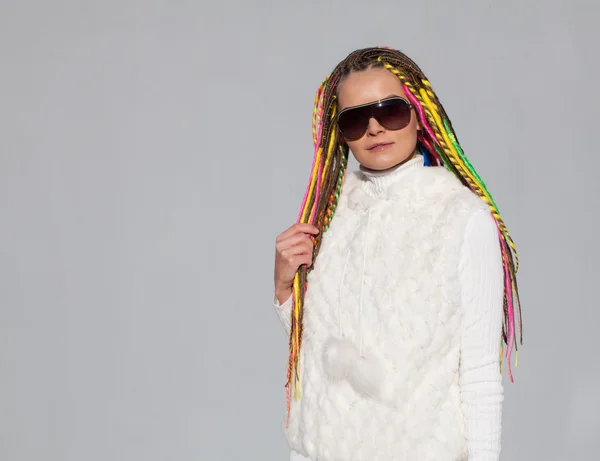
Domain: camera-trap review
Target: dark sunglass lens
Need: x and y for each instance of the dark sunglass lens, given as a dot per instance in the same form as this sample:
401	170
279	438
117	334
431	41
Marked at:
393	114
353	123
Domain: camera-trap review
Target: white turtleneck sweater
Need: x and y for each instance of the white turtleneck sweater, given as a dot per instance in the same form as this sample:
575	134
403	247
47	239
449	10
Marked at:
481	279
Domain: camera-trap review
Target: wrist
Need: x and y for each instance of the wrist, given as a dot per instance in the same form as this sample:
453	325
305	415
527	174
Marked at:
283	293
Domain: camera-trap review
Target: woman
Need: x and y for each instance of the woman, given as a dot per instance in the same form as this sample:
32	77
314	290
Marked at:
397	326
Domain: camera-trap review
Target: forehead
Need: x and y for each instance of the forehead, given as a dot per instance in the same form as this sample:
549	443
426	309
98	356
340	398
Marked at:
367	86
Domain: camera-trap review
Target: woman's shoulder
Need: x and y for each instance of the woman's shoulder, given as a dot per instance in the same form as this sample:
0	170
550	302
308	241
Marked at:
441	185
439	177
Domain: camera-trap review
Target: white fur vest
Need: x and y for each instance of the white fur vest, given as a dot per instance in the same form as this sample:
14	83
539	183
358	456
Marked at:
380	353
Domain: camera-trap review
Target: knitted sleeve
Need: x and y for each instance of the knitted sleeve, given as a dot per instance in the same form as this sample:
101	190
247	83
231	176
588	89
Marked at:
284	311
481	387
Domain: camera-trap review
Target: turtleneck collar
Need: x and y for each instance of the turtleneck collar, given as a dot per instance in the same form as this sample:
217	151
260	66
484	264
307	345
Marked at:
376	183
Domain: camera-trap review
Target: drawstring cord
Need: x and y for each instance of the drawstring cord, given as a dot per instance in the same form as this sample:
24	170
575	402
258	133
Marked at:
340	292
362	280
362	284
342	283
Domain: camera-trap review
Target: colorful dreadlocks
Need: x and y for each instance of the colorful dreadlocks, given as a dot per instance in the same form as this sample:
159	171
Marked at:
438	144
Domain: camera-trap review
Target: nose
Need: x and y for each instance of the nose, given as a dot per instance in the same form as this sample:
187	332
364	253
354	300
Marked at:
374	127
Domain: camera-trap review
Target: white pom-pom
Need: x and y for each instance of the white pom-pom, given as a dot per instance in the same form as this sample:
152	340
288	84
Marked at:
366	376
387	392
339	356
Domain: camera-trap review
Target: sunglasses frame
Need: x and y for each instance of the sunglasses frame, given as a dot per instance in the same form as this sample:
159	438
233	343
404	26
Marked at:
373	103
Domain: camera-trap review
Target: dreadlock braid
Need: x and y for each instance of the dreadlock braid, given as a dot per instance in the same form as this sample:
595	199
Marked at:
444	137
437	141
320	201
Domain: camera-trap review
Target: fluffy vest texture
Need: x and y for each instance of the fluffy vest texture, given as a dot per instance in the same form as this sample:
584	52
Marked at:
382	324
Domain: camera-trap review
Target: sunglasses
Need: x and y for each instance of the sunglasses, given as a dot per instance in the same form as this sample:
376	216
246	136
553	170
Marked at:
391	113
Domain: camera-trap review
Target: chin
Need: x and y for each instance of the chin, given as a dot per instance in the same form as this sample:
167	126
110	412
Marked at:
381	164
378	167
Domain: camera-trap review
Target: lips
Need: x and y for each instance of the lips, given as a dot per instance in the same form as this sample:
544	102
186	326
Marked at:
379	146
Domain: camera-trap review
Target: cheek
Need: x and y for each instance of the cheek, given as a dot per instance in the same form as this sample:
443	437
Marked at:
414	124
407	135
411	131
357	147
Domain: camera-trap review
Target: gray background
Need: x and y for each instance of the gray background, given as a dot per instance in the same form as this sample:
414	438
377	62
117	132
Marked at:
150	153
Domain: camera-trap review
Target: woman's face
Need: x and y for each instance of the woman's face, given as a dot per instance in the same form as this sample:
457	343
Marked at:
379	148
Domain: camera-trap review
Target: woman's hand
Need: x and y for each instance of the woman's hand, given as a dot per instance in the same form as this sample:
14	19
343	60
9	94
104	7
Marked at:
293	248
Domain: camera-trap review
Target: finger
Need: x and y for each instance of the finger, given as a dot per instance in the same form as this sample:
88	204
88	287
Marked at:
295	250
293	240
298	228
299	260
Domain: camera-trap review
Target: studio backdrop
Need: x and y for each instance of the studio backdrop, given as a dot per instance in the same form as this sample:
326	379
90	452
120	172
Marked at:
151	151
